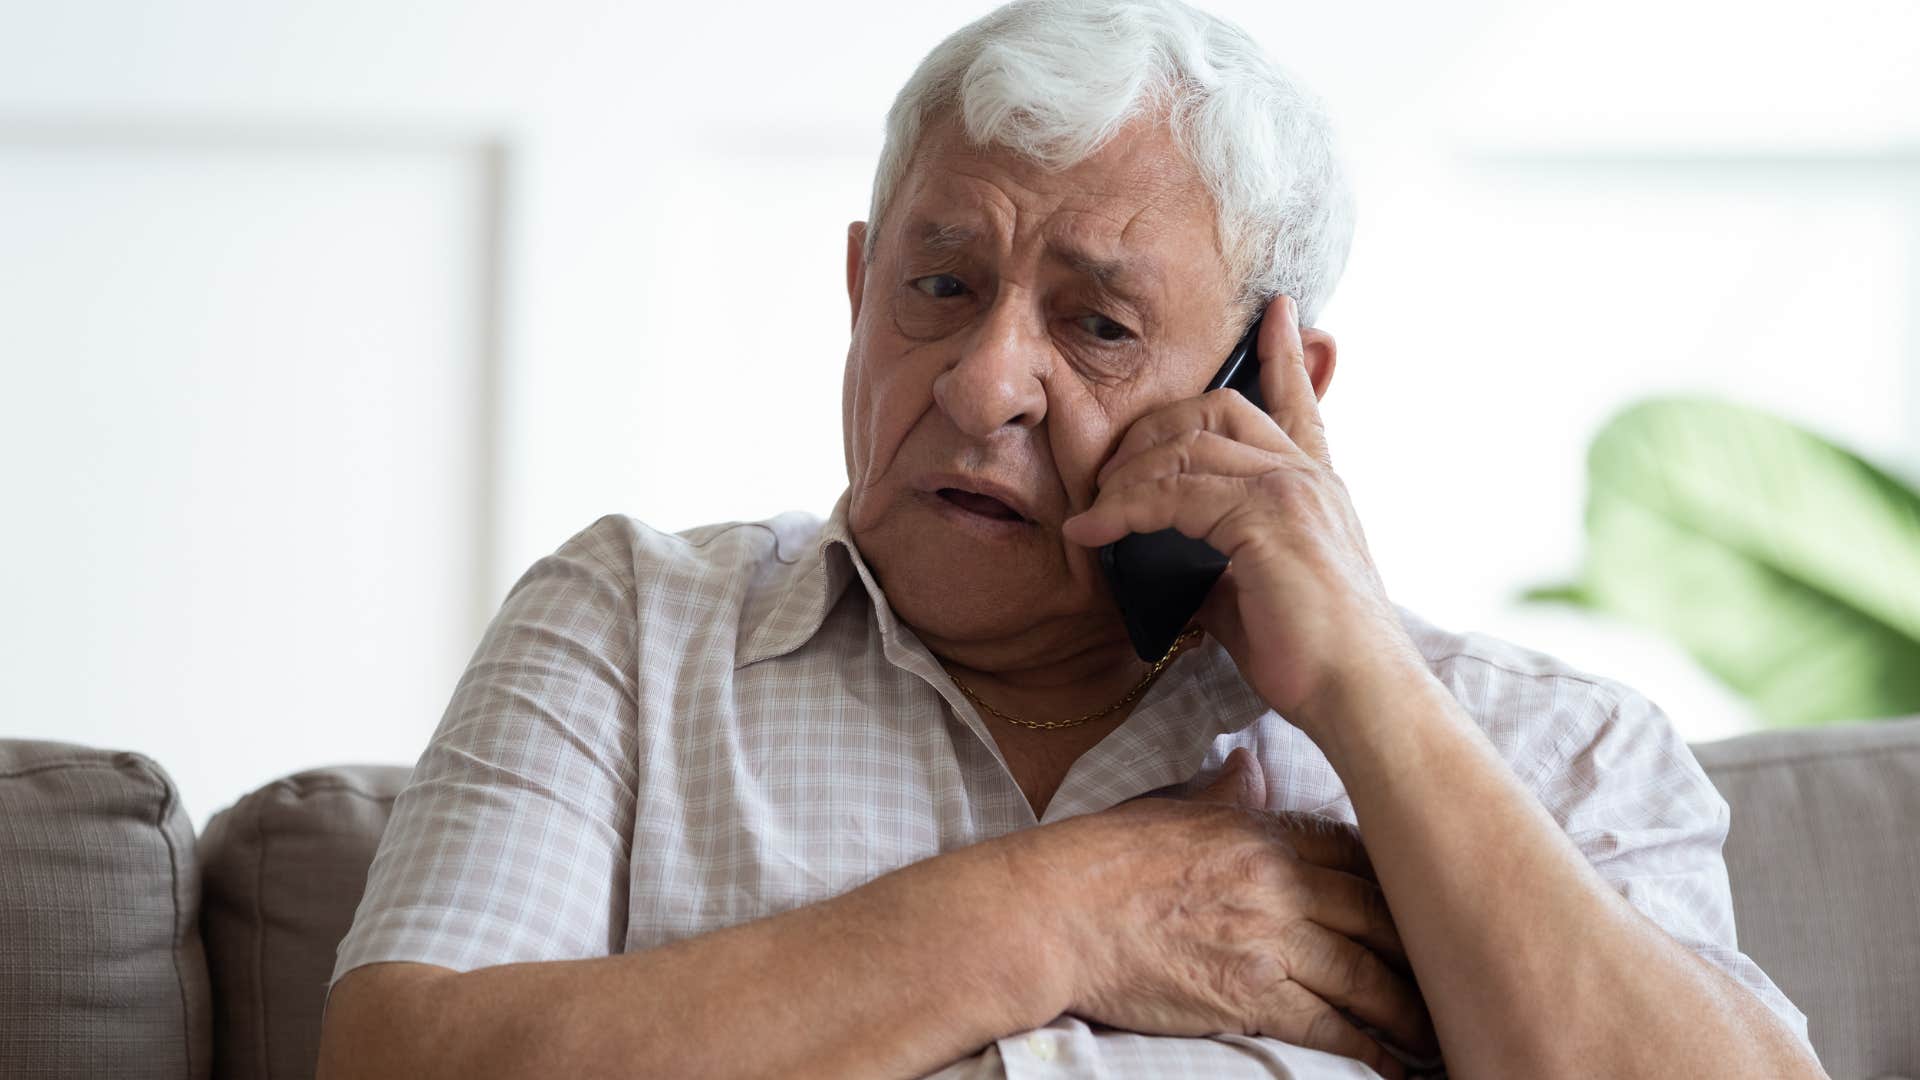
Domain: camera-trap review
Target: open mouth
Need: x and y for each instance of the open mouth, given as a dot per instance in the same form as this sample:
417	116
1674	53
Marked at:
984	505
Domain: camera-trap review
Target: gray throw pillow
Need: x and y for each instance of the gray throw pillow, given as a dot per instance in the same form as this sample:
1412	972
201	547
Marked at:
284	869
101	967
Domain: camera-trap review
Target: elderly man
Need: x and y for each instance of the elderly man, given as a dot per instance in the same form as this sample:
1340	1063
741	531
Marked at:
864	797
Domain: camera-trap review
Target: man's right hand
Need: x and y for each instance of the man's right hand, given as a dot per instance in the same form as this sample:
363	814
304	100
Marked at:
1210	915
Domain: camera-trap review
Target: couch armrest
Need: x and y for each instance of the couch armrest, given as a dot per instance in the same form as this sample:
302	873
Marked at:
1825	867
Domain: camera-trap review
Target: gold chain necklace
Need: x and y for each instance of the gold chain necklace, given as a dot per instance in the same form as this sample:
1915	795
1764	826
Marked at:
1139	688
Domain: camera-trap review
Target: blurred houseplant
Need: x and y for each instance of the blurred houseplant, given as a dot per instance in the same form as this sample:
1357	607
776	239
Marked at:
1787	566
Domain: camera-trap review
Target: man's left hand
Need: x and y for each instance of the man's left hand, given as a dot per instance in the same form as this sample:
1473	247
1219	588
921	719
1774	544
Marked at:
1301	606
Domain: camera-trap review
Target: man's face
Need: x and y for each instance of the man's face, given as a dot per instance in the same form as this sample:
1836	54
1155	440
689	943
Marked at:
1012	324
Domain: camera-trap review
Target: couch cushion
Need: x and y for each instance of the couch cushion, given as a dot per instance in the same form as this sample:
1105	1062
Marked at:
1825	867
101	967
284	868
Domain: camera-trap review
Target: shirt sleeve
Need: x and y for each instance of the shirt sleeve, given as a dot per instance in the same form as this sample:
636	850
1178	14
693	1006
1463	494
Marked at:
511	840
1631	796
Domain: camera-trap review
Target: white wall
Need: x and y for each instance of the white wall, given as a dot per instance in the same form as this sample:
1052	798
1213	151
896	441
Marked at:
319	322
245	478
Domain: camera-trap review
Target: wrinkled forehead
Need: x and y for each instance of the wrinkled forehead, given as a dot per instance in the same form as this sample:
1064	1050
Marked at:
1138	200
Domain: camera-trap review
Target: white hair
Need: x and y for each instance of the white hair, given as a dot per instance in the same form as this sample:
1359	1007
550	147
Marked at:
1054	80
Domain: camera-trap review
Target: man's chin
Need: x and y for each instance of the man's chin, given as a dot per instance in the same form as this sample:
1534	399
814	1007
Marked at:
961	580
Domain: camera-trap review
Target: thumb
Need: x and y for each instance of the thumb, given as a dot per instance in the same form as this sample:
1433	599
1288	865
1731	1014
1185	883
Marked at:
1241	782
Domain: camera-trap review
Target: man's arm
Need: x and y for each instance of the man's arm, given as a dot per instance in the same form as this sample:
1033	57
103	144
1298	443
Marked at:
896	978
1174	917
1531	964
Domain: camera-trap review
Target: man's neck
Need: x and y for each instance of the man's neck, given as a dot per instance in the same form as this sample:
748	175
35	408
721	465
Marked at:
1046	685
1099	684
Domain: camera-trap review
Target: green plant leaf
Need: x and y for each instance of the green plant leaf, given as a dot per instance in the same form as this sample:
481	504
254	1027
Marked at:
1787	566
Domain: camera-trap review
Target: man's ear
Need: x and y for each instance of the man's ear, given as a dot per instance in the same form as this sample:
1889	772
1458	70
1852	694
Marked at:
856	267
1319	352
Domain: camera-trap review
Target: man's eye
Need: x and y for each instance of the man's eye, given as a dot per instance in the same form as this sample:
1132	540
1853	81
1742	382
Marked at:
940	286
1104	328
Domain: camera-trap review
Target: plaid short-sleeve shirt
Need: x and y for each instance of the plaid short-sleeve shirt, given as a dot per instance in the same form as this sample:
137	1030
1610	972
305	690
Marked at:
663	735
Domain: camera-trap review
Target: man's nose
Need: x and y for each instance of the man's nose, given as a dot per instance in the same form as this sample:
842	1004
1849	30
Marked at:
997	380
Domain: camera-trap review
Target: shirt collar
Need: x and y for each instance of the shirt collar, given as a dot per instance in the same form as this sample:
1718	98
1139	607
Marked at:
812	585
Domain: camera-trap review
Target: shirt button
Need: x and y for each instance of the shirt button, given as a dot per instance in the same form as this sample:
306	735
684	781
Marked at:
1042	1047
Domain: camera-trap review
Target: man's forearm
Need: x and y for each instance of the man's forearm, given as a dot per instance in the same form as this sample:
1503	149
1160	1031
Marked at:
896	978
1531	964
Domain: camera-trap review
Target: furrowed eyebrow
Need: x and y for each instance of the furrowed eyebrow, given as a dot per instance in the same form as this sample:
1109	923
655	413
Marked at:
941	238
1134	280
1128	277
1123	275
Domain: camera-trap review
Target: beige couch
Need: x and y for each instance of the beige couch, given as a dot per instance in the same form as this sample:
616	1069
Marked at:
131	948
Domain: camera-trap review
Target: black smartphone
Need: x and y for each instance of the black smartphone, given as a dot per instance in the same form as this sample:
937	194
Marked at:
1160	579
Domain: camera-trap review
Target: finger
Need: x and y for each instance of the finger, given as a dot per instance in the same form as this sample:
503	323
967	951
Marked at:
1219	616
1284	381
1352	905
1324	841
1196	451
1241	782
1297	1016
1193	503
1223	412
1343	972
